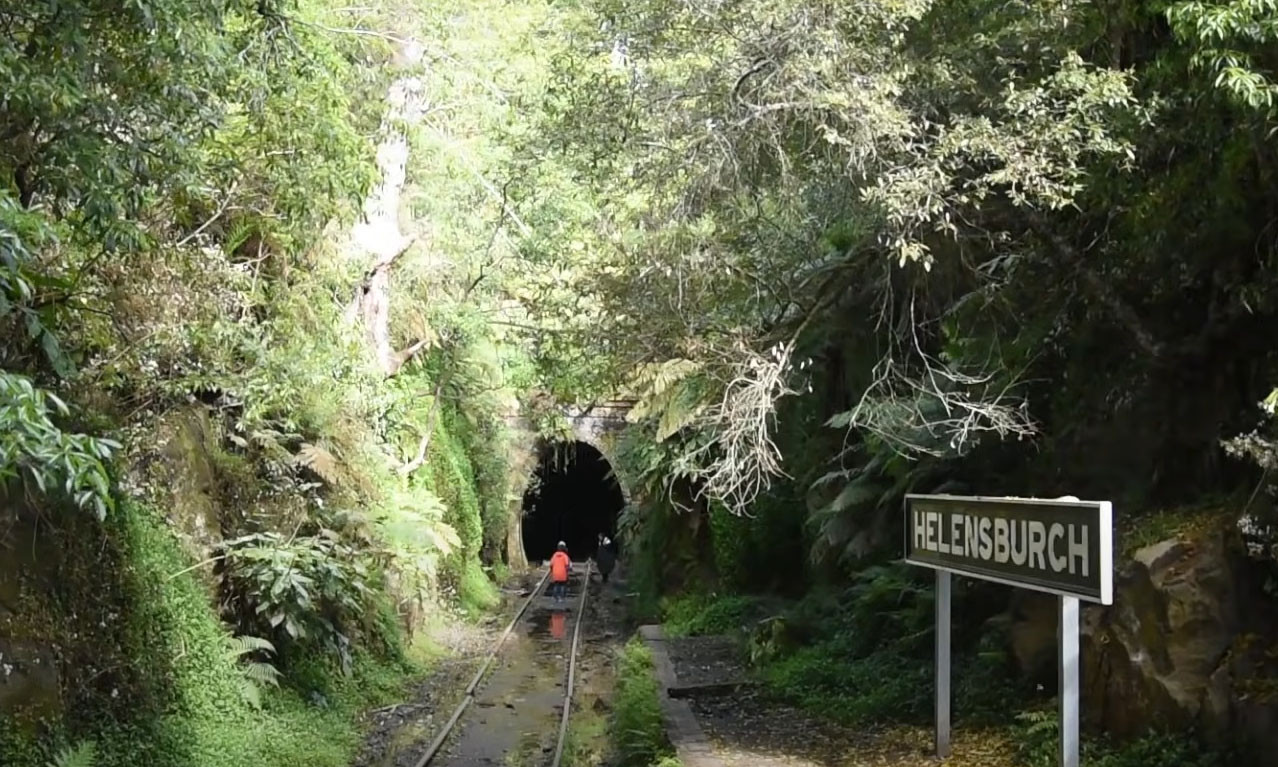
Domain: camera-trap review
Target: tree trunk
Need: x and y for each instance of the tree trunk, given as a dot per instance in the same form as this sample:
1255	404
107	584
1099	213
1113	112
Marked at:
377	239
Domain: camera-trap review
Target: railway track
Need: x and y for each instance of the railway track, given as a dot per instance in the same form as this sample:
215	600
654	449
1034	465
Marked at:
433	755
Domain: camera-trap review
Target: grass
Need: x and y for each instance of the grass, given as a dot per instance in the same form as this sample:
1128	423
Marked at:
476	593
587	743
638	731
697	614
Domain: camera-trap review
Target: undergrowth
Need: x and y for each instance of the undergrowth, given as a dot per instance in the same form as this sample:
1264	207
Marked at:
862	657
637	727
864	654
701	614
587	739
185	694
1037	735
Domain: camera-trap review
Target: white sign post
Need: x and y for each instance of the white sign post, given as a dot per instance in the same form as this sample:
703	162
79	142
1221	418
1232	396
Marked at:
1062	547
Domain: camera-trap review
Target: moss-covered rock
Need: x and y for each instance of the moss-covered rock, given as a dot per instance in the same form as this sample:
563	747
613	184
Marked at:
186	477
1168	652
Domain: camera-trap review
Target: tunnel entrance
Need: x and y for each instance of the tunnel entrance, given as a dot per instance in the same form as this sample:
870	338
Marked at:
573	497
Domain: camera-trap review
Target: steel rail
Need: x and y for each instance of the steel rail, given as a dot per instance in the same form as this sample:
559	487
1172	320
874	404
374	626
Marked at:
572	668
479	675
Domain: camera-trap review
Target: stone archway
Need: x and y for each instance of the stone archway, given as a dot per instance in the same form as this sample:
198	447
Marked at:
597	426
575	498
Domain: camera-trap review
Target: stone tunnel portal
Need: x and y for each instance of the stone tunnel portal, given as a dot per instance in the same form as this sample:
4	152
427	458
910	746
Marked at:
574	496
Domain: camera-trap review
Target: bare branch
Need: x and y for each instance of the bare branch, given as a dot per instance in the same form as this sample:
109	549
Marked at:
226	200
740	459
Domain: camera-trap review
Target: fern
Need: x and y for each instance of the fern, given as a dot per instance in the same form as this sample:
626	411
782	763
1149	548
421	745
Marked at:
652	384
239	233
680	408
82	755
668	391
243	645
320	461
254	675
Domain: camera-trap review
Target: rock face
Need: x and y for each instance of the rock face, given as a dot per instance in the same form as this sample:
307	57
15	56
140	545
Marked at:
189	478
1190	642
1174	649
30	687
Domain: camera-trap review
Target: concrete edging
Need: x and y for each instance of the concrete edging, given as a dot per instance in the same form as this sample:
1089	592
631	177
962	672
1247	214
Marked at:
690	742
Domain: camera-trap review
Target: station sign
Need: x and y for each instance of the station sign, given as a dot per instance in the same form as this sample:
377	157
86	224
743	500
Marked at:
1060	546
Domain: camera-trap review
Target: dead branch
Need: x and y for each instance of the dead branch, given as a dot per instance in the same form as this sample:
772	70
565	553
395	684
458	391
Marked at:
226	200
424	445
403	356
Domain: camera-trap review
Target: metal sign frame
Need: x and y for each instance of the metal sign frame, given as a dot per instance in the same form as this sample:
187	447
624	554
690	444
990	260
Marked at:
1068	610
1096	587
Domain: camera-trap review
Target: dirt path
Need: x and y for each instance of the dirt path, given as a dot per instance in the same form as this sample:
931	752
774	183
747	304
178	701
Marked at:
742	725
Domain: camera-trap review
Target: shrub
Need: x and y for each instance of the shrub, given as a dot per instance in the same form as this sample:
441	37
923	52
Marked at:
1038	735
864	654
298	588
882	686
703	614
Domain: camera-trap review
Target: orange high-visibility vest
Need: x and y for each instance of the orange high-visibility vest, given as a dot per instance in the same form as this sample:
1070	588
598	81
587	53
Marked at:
559	564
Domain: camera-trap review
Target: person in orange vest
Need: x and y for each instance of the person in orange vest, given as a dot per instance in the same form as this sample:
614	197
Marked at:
560	566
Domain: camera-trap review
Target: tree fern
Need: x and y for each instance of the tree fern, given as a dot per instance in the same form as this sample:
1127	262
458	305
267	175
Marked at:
652	386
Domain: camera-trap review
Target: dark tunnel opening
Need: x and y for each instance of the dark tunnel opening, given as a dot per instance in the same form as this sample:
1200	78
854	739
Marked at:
573	498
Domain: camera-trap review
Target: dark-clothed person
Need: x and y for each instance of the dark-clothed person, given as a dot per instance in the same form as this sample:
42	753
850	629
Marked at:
605	557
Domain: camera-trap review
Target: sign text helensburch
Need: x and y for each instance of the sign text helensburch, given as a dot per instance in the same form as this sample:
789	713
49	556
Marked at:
1061	546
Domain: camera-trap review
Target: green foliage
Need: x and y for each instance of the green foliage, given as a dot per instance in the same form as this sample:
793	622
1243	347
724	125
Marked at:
1038	740
883	686
173	182
861	655
257	674
167	685
859	497
637	726
587	742
34	450
82	755
411	525
1233	41
452	478
734	556
297	588
700	614
476	592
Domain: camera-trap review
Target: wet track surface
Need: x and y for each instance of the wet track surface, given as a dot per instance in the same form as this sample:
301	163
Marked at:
515	717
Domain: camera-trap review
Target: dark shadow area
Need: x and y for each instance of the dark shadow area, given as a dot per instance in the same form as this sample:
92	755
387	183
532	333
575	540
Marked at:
573	498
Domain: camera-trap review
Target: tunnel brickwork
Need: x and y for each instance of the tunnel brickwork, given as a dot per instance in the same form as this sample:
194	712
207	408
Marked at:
597	426
554	512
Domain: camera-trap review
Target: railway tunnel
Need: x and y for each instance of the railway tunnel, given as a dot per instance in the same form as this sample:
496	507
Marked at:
573	497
